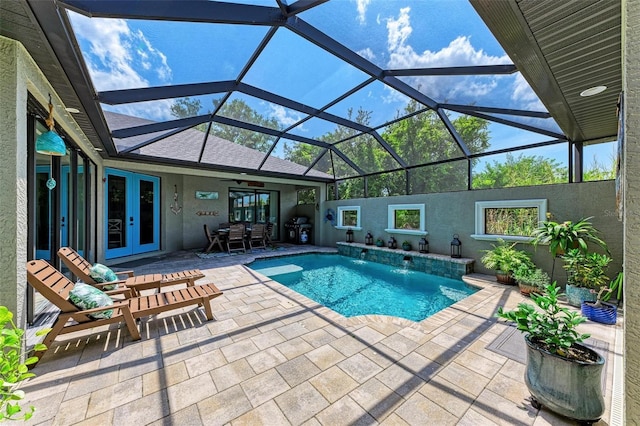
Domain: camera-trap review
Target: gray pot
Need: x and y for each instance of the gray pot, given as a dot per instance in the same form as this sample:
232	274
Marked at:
568	387
577	295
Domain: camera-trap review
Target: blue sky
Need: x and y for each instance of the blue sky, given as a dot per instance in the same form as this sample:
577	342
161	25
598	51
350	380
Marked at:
392	34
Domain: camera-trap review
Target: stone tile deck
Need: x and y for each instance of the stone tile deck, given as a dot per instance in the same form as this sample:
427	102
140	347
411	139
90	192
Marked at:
274	357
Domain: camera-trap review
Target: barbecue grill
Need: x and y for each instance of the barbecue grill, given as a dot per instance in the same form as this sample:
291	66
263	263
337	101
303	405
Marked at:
298	230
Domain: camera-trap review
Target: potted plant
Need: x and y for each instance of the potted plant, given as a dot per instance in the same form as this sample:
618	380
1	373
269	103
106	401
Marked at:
585	272
601	311
561	374
567	235
505	259
406	245
531	279
14	367
379	242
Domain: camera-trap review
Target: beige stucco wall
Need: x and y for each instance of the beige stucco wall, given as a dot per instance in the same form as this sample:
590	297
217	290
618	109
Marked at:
631	84
454	213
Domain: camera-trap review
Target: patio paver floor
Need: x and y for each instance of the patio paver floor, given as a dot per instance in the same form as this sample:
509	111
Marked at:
272	357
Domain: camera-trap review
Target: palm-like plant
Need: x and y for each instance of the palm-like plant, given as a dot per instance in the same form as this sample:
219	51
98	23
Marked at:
564	236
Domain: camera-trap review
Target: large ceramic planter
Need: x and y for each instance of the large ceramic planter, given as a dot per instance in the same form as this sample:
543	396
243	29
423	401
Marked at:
568	387
606	313
577	295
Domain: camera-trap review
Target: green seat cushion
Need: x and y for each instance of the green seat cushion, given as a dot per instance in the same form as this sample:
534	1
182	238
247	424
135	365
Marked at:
85	296
102	274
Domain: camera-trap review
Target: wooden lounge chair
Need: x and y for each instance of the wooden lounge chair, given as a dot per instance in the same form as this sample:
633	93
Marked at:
56	287
80	267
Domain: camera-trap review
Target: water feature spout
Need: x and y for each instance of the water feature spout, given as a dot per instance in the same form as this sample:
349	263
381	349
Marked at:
363	254
406	261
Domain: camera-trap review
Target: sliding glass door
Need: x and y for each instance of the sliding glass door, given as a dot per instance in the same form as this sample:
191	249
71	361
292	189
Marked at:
255	206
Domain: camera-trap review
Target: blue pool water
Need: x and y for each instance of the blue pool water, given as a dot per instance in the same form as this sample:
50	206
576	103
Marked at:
354	287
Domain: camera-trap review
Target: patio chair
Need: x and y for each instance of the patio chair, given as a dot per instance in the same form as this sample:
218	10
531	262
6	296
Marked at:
268	234
81	268
213	238
56	287
257	236
236	237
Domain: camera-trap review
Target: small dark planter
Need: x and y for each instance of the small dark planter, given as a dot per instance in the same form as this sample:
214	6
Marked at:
406	247
606	313
379	243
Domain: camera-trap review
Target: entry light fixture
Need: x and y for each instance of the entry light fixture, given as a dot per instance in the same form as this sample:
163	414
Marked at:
50	143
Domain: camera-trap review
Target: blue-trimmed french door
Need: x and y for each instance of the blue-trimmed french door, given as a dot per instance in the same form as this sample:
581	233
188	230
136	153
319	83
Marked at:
132	213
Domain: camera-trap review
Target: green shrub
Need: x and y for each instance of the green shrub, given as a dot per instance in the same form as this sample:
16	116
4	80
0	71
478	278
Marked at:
13	369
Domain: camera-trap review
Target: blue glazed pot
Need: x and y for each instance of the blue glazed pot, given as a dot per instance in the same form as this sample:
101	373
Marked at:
577	295
568	387
605	314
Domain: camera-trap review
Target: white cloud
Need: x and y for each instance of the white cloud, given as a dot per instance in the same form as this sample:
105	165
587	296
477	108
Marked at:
159	110
523	94
117	57
459	52
399	30
367	53
283	116
362	10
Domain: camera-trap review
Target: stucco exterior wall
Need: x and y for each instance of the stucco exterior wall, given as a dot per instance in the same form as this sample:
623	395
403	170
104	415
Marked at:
631	173
13	179
454	213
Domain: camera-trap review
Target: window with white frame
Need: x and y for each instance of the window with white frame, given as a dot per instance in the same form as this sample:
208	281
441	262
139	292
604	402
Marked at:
406	219
349	217
509	220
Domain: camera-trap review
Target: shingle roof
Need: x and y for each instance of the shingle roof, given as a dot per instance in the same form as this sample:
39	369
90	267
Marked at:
187	146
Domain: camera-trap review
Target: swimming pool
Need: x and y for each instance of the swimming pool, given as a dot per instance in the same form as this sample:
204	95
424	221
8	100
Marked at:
354	287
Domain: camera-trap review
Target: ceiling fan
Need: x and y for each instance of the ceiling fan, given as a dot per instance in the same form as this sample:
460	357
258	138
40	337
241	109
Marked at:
252	183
